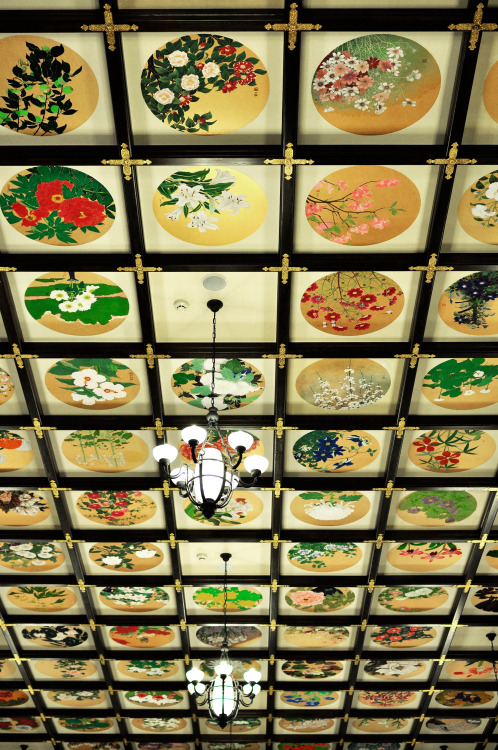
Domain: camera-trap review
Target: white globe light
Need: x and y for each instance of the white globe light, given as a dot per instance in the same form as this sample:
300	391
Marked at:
223	697
240	438
200	688
169	452
209	474
246	689
194	432
252	675
256	689
191	688
223	667
256	463
194	675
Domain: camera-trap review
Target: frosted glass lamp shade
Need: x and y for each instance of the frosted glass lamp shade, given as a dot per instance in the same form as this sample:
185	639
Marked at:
246	689
240	438
223	697
223	667
209	475
256	463
256	689
169	452
191	688
194	674
194	432
252	675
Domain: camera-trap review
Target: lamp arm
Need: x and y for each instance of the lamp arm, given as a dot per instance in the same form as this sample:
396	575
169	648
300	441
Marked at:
240	453
250	482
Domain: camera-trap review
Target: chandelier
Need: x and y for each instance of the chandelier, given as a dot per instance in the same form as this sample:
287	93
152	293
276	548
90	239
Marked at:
224	694
208	482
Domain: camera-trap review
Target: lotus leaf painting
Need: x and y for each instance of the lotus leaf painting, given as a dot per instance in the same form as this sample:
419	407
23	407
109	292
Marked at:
15	451
314	636
413	598
403	636
352	303
330	451
30	557
242	508
48	88
238	636
22	508
205	84
309	698
324	556
470	383
147	669
394	670
76	303
42	598
106	451
131	557
66	669
376	84
424	556
237	599
436	508
210	205
445	451
237	383
57	205
343	385
319	599
469	305
312	670
134	599
329	508
94	384
478	209
362	205
119	508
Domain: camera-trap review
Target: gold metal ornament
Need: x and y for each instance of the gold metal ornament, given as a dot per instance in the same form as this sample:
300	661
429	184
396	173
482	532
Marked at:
139	268
150	357
38	429
126	162
289	161
401	427
431	268
285	268
414	356
476	27
18	357
452	161
279	429
282	356
293	26
109	27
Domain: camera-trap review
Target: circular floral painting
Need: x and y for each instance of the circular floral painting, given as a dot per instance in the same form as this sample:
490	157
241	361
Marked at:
94	384
205	84
121	508
470	670
77	303
451	450
242	508
22	508
424	556
343	384
329	508
214	441
404	636
312	670
6	387
469	304
233	746
30	557
237	383
376	84
238	636
57	205
477	209
309	698
55	636
362	205
7	669
331	451
452	726
308	726
126	556
488	92
10	698
48	88
492	557
319	599
210	206
77	698
485	599
105	451
304	746
437	508
238	599
394	670
94	746
18	724
413	598
324	557
86	724
134	598
315	636
462	698
374	746
42	598
153	698
159	724
147	669
15	452
352	303
237	725
379	726
465	384
386	698
239	666
141	636
66	669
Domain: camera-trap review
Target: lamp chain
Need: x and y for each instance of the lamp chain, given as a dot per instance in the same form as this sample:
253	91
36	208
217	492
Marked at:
214	362
225	599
